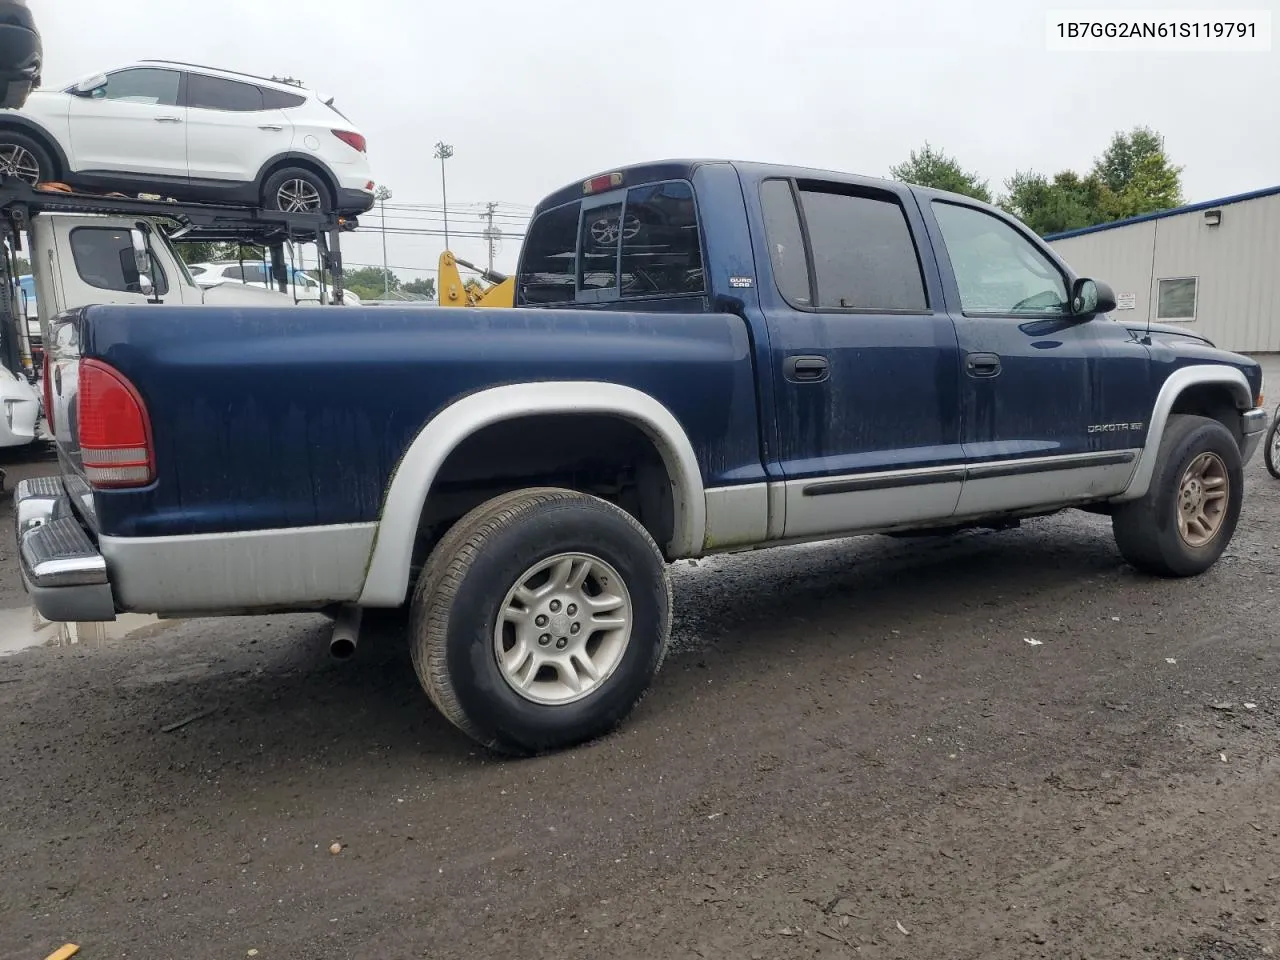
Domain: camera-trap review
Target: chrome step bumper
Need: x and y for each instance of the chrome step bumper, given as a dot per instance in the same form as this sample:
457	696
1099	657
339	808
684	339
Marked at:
62	569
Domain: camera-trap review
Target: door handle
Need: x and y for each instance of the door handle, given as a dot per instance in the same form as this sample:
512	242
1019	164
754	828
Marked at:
270	126
168	119
806	369
982	365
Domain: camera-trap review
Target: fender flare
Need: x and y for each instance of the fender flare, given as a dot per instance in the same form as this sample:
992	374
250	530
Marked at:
300	159
1177	383
387	576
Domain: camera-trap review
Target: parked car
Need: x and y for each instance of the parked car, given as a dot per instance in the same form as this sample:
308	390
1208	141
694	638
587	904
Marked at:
21	57
303	286
19	409
193	133
703	357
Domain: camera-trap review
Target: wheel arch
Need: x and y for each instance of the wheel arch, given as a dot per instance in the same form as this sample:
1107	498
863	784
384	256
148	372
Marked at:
390	561
293	159
41	135
1205	389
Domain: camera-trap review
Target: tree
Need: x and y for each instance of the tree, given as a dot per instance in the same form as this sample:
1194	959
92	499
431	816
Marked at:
1133	176
1067	202
425	287
933	168
367	283
203	252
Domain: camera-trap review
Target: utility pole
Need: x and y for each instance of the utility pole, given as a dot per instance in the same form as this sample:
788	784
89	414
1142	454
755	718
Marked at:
491	233
382	195
443	152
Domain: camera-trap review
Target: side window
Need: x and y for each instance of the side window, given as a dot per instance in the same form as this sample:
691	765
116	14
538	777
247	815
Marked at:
863	255
141	85
997	269
215	93
279	100
255	273
232	273
602	229
548	265
786	242
104	259
661	249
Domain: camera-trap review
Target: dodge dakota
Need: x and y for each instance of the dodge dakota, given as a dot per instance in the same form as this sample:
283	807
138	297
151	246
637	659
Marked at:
704	356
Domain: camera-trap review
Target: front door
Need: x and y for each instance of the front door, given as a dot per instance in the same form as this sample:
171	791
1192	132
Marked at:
866	361
1054	407
132	125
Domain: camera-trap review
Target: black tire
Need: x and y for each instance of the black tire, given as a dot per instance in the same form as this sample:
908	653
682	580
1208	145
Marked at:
1147	530
459	594
271	189
1270	451
11	138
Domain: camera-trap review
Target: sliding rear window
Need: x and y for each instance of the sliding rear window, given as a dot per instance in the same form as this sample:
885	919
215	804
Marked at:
640	243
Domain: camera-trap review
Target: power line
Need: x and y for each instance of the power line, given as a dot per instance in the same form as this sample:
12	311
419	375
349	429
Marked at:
426	232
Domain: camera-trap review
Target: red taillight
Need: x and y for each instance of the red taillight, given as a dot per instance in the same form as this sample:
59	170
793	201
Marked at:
47	375
115	432
353	140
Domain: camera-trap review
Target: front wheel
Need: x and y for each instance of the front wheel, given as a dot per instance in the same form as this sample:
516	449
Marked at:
24	158
1187	518
540	620
1271	452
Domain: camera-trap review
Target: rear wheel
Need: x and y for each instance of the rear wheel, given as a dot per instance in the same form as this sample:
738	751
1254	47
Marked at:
24	158
296	190
1271	452
540	620
1189	514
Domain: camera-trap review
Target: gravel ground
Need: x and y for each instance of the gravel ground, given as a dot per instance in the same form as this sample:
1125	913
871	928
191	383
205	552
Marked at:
854	751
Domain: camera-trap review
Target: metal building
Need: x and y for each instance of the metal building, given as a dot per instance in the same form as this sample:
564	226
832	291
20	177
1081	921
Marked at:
1214	266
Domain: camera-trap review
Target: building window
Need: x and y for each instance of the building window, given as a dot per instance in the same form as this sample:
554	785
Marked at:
1176	299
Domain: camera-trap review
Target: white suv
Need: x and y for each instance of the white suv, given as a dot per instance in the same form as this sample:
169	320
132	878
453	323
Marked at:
191	133
303	288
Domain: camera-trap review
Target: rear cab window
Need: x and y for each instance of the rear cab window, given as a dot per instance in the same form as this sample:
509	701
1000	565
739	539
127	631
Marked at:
640	243
104	259
839	248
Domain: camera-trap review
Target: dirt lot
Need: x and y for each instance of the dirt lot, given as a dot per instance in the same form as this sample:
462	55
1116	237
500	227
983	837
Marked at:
853	752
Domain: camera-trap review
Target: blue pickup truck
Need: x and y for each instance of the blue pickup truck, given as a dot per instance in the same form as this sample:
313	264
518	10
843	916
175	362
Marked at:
703	356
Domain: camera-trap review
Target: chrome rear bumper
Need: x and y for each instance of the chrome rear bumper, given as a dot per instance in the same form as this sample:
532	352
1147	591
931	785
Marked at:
62	569
1253	424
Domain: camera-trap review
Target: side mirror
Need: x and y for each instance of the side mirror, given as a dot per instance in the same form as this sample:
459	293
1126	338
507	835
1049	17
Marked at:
1091	297
86	87
142	260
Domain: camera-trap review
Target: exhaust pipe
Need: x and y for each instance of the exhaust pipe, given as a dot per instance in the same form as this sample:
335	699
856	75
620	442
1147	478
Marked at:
346	633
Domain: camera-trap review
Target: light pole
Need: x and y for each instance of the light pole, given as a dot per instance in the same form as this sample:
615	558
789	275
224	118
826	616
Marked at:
382	195
443	152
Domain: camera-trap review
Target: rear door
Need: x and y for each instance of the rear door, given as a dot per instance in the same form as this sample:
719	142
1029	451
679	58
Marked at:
231	133
1054	407
133	124
866	363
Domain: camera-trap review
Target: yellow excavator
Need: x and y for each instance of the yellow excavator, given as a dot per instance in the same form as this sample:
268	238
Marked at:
454	292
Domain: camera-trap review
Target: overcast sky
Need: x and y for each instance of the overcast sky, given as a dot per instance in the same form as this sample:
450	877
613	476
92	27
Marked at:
534	94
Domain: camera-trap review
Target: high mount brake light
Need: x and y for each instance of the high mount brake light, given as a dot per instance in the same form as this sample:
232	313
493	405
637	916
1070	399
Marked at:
606	181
